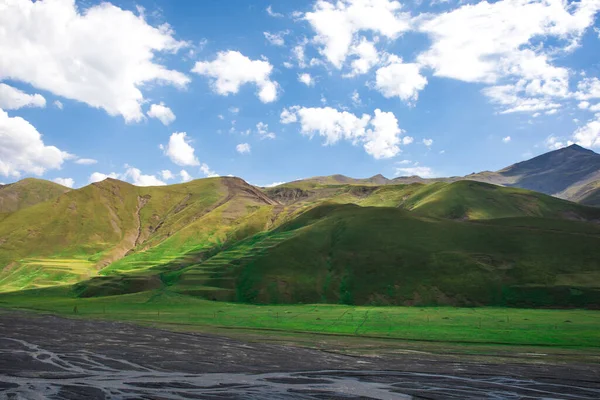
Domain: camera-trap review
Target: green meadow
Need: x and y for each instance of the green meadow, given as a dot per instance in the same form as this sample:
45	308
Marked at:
482	325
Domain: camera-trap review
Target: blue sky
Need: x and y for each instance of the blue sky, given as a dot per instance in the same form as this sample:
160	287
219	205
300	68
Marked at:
274	91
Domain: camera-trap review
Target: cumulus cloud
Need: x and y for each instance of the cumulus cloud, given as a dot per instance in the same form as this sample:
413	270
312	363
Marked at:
555	143
99	176
380	135
428	142
232	69
68	182
337	24
263	131
101	56
355	97
399	79
185	176
166	174
85	161
136	177
423	172
22	149
162	113
306	79
506	139
12	98
179	150
588	135
492	41
367	57
207	171
243	148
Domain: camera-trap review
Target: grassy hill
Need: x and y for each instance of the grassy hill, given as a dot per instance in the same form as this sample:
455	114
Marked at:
28	192
88	229
374	255
463	243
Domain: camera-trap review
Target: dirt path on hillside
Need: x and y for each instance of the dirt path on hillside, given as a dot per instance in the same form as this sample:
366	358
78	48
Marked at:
44	356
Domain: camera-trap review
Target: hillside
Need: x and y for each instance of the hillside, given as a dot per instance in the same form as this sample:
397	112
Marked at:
87	229
374	255
28	192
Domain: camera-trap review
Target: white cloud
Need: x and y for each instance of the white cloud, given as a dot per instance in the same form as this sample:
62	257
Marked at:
85	161
584	105
185	177
407	140
231	69
423	172
162	113
511	98
68	182
101	56
367	57
274	184
138	179
207	171
428	142
23	150
99	176
399	79
588	88
220	116
588	135
492	41
306	79
243	148
179	150
166	174
273	13
380	135
595	108
263	131
234	110
404	162
506	139
58	104
12	98
337	24
356	99
554	143
551	112
276	39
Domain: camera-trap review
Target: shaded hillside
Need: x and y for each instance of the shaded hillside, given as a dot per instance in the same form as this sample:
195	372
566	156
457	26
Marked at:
368	255
28	192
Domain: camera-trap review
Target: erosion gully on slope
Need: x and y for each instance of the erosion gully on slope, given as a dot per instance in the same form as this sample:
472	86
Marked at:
45	356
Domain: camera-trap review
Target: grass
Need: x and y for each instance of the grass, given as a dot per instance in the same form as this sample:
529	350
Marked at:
556	328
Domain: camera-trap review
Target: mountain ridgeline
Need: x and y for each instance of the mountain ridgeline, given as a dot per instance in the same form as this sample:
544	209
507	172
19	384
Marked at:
409	241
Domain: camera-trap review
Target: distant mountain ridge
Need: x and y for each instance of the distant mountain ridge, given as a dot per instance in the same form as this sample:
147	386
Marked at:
28	192
571	173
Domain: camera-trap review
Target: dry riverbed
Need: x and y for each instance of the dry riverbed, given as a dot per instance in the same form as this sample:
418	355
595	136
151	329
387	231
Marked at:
44	356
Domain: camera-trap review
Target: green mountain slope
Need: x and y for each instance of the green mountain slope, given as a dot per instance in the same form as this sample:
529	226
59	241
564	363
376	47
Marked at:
371	255
88	229
28	192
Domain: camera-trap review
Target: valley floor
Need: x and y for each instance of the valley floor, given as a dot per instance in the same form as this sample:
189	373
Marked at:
47	356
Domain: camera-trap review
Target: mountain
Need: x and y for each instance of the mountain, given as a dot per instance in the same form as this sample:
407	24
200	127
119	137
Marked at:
28	192
327	239
571	173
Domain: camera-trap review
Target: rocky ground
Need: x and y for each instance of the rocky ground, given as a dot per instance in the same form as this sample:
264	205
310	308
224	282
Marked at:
47	357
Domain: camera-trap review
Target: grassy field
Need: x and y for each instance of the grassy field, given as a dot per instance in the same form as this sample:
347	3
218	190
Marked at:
557	328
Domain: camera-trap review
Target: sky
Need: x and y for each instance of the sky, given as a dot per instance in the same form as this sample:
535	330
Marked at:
159	92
